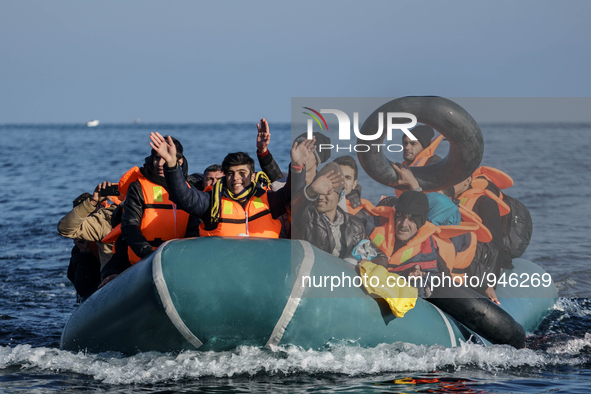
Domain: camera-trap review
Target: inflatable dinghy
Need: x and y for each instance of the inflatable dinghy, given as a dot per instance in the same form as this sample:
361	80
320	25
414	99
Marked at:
215	293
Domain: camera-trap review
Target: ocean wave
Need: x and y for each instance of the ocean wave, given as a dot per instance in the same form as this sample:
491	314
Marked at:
153	367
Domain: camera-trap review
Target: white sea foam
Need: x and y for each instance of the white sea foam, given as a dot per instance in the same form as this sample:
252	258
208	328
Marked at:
569	305
155	367
573	346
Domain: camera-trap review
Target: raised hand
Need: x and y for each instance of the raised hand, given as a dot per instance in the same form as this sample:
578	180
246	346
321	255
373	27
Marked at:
263	136
164	147
96	195
325	184
301	151
405	176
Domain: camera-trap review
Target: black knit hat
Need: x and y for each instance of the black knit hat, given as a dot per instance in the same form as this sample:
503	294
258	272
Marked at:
423	133
321	156
415	204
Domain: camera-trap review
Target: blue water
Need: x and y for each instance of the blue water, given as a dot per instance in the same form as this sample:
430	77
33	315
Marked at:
44	167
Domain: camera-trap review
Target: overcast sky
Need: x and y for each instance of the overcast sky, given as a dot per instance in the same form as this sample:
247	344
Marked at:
192	61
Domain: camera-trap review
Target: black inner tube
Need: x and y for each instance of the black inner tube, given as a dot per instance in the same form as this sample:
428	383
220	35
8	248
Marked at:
480	315
466	145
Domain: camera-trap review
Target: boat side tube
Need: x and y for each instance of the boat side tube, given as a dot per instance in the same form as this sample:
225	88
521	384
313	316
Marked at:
232	292
216	293
529	302
126	316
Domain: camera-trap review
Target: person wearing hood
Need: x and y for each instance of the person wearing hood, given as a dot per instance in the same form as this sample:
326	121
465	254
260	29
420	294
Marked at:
318	219
149	217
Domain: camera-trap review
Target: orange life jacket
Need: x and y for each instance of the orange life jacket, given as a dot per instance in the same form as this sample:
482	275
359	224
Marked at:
470	196
161	220
127	179
384	236
255	221
365	204
422	249
484	174
422	157
464	259
482	233
123	184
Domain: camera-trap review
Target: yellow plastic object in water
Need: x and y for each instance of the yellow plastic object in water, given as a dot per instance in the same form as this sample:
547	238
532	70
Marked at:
401	299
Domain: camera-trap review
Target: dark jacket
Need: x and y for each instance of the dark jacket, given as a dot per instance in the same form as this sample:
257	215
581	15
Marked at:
371	221
84	273
119	262
488	210
270	167
130	218
310	225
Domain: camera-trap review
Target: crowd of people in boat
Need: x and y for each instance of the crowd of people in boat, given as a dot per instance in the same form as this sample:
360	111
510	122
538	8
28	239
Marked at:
461	230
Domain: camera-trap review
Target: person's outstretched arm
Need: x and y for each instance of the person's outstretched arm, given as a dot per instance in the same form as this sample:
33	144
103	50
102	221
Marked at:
280	200
190	200
82	221
268	164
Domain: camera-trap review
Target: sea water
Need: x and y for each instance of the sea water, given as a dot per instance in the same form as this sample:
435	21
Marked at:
44	167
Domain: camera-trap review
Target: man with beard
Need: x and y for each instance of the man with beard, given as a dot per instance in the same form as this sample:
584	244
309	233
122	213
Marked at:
420	152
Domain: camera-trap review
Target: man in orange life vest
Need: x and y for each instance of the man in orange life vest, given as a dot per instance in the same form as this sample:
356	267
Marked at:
240	204
471	257
149	217
416	251
422	151
486	255
488	207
